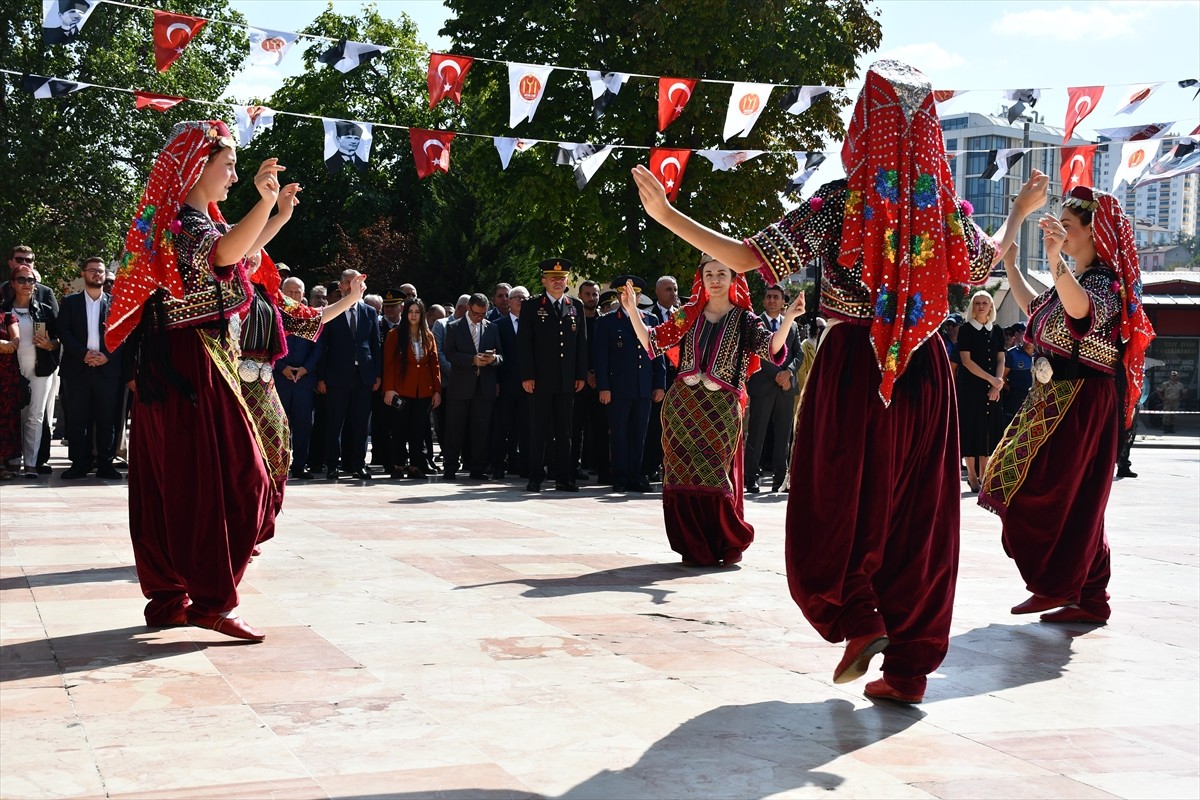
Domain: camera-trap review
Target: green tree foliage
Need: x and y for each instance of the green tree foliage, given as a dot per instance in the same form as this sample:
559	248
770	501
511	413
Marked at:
370	222
74	167
533	210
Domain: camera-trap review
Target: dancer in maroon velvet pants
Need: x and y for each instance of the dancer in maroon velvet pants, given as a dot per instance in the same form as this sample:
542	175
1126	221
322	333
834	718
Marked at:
873	513
201	492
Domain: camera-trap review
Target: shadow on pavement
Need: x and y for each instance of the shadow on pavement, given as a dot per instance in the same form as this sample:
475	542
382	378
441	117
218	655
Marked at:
638	578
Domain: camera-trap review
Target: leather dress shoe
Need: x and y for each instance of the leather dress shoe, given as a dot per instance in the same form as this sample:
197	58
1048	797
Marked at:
109	473
1038	603
1073	614
331	474
775	487
620	487
1125	472
72	474
882	690
641	487
302	475
581	474
859	652
477	476
449	475
752	488
233	626
533	486
565	487
363	474
44	469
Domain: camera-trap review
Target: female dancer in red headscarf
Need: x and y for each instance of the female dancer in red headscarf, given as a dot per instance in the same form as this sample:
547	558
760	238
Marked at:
201	487
722	342
1050	476
873	514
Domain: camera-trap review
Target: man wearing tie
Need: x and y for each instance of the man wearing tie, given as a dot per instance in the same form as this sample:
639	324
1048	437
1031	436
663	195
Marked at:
296	383
772	390
350	370
472	346
91	377
552	342
666	303
510	432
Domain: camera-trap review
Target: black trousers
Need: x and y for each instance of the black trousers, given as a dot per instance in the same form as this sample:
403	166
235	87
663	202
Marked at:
473	415
348	415
589	439
412	426
510	432
773	407
90	400
550	419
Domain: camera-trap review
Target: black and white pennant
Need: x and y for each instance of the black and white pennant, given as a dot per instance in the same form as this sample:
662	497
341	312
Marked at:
1003	160
43	88
605	86
346	55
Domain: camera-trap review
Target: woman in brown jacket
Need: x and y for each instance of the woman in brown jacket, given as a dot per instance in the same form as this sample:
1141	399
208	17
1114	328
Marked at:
412	379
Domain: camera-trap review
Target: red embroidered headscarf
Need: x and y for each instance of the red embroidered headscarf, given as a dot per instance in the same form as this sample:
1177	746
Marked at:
902	217
149	262
1116	247
671	332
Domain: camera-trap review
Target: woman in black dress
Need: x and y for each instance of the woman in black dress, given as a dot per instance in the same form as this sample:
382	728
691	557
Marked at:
979	381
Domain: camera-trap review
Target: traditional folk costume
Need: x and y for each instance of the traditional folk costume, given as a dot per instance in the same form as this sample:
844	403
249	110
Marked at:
1050	476
873	513
208	444
702	419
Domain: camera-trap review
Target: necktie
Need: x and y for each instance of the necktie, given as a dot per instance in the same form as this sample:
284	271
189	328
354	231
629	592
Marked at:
353	320
475	335
558	307
774	325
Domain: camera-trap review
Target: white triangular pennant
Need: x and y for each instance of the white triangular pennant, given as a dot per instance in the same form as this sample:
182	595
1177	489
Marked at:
268	47
728	159
250	119
1138	95
507	145
746	103
526	85
1136	158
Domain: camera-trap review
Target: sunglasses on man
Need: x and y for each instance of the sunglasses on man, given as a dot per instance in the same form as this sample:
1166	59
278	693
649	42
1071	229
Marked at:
23	259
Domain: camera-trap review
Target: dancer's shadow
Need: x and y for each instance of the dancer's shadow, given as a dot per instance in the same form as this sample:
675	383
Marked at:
640	578
763	749
89	575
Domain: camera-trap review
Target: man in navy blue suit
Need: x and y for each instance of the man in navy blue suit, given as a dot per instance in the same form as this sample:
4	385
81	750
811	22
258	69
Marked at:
91	376
296	382
628	381
350	369
472	346
510	429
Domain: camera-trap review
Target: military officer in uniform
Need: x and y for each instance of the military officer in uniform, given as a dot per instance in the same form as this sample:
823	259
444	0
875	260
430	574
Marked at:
628	381
552	342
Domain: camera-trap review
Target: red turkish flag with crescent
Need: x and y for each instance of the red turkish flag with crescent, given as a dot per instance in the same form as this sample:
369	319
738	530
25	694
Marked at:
172	33
668	165
446	76
1076	169
159	102
431	150
1081	101
673	95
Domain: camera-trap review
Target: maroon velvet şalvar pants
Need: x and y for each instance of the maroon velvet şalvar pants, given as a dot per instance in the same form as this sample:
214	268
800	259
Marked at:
1054	523
873	513
199	492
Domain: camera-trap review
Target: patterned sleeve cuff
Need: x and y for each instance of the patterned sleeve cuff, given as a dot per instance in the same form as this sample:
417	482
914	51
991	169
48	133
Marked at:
780	248
982	250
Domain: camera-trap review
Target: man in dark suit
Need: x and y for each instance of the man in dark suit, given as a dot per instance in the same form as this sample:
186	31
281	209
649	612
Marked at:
472	346
510	429
350	369
91	377
552	342
666	303
589	429
347	137
296	382
627	380
772	392
385	438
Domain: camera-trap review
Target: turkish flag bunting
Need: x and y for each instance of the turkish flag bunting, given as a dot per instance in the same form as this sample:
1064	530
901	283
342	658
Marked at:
159	102
446	76
673	95
431	150
668	165
1076	169
1082	100
172	33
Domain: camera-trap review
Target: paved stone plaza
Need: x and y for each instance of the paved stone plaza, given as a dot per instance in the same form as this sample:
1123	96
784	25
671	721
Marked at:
470	641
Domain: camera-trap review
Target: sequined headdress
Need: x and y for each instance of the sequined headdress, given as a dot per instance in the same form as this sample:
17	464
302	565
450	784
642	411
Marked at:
902	217
149	262
1117	248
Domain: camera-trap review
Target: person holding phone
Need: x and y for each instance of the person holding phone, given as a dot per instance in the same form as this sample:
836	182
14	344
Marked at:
472	346
37	357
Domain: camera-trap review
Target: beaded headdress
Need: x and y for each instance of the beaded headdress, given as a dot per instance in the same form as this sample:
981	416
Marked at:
1116	247
902	218
149	262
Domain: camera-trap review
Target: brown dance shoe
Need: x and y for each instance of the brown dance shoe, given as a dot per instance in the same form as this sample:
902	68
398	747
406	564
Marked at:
859	652
1038	602
882	690
233	626
1073	614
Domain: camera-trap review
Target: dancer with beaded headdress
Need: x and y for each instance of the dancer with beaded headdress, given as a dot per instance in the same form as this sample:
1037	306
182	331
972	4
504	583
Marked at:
204	485
1050	476
873	514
